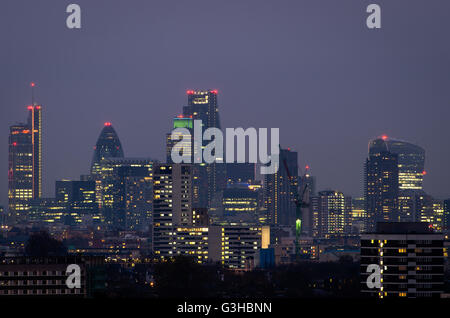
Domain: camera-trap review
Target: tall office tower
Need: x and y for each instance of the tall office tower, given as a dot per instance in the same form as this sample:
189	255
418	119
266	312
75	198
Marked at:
208	178
410	260
332	214
172	205
240	173
108	146
280	190
25	163
381	188
236	246
135	196
446	226
411	160
179	144
124	191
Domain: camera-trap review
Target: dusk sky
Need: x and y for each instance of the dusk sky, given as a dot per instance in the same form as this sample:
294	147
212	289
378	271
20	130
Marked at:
311	68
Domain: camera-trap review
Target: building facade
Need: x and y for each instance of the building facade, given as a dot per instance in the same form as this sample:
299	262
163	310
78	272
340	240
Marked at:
381	188
280	190
25	164
409	260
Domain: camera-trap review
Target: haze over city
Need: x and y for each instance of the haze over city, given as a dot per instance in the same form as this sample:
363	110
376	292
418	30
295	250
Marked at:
274	64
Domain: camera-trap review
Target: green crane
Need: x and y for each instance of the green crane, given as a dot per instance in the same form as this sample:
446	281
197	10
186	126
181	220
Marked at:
300	203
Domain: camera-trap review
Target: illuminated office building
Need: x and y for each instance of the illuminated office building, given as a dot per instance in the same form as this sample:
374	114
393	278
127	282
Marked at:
179	144
48	212
381	188
25	163
358	215
208	178
430	211
108	146
192	242
236	246
280	190
407	205
240	203
124	192
79	199
332	214
411	160
73	205
172	205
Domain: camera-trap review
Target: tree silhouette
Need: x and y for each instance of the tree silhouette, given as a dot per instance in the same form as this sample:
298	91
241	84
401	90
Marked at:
42	244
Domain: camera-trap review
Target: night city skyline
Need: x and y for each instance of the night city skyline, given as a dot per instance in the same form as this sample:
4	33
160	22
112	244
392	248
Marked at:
75	83
248	153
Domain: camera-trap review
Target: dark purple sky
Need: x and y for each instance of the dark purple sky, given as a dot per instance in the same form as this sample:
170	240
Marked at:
311	68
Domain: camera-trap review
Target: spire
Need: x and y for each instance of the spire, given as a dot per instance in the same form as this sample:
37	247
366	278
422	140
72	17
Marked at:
32	85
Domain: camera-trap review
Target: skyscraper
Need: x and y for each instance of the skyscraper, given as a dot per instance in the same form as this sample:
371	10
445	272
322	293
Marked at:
411	160
25	163
108	146
180	122
280	189
381	188
332	214
124	192
172	205
208	178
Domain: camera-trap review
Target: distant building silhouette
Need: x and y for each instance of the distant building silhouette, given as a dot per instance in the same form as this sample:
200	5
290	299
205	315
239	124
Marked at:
280	190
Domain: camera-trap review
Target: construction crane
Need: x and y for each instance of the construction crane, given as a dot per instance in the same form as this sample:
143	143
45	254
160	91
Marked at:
300	203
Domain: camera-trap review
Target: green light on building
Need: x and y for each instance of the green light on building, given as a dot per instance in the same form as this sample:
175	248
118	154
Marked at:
182	123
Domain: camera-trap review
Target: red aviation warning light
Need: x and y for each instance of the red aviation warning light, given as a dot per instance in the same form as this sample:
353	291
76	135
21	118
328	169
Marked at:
107	123
32	84
424	173
30	107
190	92
214	91
384	137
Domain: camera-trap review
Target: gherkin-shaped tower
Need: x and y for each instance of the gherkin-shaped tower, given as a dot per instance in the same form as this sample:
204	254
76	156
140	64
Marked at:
108	146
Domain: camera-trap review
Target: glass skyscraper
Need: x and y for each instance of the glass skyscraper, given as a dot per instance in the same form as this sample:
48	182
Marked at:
381	188
411	160
108	146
